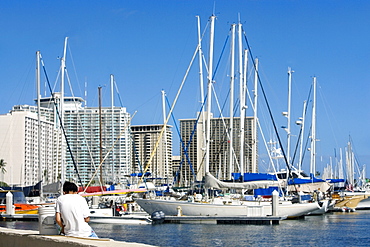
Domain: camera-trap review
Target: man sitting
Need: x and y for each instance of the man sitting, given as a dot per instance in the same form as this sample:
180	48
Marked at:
72	213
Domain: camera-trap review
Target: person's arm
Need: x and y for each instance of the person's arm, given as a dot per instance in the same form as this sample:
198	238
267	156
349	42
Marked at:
59	221
85	209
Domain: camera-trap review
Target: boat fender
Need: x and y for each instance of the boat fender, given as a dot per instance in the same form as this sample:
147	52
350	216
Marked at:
157	217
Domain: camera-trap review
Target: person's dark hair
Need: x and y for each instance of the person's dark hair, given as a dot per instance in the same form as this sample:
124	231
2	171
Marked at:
68	186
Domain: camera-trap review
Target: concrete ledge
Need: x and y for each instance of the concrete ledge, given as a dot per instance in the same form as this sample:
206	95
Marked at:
15	238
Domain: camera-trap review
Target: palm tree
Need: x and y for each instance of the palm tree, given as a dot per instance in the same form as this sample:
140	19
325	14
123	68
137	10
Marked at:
2	166
2	169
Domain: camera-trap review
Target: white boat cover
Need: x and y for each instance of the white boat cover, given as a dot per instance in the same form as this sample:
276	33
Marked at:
212	182
310	187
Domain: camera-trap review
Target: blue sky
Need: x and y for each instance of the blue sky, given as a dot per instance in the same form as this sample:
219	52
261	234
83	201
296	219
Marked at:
147	46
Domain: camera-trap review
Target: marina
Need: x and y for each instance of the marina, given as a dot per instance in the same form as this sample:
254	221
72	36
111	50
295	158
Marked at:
331	229
237	155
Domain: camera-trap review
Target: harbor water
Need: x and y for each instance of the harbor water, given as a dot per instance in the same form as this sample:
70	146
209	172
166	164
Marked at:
332	229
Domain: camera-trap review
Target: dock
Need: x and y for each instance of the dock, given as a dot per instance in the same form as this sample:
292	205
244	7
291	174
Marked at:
241	220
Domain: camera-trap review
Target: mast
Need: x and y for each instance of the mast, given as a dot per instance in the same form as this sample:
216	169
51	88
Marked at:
302	123
242	91
85	93
100	138
313	131
232	78
39	120
165	171
209	92
287	114
243	107
255	122
112	121
62	67
340	168
200	63
201	84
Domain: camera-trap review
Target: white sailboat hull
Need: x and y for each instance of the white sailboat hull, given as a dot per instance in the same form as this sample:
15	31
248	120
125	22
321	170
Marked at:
250	208
122	220
364	204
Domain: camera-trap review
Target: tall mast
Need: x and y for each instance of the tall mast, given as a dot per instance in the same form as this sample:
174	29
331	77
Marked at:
112	120
288	113
313	131
85	96
201	84
209	91
166	170
302	123
255	122
62	67
100	138
200	63
242	111
242	91
232	78
39	120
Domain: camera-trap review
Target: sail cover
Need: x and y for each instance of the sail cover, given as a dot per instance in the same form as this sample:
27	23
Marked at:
212	182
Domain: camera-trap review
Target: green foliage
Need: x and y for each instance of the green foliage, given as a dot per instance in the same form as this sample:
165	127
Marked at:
3	184
2	166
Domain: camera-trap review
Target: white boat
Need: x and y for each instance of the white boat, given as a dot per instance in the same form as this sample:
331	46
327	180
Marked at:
324	205
364	204
226	207
239	208
131	219
105	216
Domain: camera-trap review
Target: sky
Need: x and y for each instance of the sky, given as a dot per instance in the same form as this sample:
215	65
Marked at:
148	46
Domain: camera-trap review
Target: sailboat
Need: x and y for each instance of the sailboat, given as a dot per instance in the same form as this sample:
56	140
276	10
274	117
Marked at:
224	206
355	196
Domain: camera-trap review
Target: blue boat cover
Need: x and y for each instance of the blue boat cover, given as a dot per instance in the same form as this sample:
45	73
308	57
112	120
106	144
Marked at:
312	179
147	174
248	177
265	192
335	180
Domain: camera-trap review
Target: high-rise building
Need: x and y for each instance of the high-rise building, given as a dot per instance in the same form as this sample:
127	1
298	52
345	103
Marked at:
87	132
194	146
145	138
23	146
82	128
76	144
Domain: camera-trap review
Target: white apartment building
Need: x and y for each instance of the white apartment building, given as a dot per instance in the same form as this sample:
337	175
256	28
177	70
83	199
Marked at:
19	147
82	126
19	143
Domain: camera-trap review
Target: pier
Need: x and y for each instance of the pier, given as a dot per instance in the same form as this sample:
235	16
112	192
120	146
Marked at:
244	220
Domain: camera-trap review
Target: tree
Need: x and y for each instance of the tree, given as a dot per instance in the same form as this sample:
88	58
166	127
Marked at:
2	166
3	184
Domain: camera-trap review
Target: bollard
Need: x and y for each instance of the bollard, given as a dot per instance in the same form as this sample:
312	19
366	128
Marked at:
300	194
179	211
47	224
9	203
275	203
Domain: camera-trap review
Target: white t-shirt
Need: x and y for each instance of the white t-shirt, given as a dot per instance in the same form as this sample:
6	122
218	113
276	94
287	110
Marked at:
73	209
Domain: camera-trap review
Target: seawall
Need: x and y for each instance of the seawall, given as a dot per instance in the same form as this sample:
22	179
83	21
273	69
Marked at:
17	238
